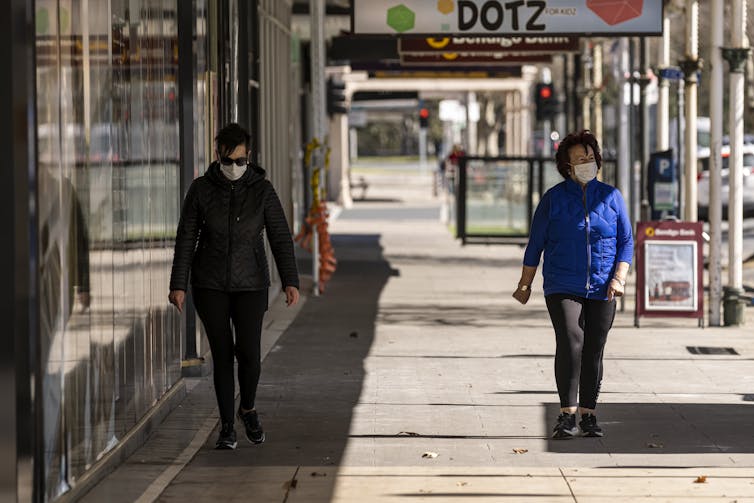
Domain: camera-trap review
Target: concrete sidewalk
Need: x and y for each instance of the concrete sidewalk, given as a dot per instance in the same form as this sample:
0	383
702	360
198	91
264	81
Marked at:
417	376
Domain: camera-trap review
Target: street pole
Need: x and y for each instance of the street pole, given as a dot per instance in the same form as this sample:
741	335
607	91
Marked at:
633	181
733	307
644	126
624	141
691	66
317	56
682	172
663	104
716	142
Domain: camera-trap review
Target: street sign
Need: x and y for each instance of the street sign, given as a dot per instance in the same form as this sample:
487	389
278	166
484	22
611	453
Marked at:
669	268
610	18
671	73
536	45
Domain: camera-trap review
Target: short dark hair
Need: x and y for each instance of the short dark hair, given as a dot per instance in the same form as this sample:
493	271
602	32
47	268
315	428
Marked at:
231	136
585	138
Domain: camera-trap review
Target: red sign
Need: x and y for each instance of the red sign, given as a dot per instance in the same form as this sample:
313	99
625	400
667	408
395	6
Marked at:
669	267
472	58
530	45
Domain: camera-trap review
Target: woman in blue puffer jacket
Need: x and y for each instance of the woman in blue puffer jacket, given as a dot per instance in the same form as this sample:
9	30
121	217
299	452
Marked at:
583	228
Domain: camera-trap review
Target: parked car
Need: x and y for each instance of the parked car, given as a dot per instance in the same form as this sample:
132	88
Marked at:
703	181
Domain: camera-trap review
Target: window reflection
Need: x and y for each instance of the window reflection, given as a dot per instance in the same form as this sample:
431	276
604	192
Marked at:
107	101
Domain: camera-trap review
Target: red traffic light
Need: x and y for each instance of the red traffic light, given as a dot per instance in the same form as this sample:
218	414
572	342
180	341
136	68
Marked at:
545	92
424	113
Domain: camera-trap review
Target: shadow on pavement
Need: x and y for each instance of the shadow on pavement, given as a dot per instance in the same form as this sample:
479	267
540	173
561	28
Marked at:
311	381
667	428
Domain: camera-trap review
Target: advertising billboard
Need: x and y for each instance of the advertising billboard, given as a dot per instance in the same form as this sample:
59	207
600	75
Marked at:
611	18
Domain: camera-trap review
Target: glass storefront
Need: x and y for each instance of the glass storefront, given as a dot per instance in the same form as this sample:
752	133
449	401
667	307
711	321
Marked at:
109	189
108	184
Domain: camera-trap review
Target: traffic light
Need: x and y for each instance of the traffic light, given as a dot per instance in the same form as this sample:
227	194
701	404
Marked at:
336	98
423	118
546	102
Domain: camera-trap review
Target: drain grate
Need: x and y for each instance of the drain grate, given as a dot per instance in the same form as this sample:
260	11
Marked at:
710	350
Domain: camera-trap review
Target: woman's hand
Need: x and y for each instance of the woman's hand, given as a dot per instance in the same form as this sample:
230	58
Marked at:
522	293
177	298
291	296
615	289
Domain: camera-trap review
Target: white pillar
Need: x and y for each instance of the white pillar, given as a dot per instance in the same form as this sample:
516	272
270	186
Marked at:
339	186
516	103
354	143
586	100
526	122
471	124
509	119
597	122
733	310
716	143
319	114
690	98
663	104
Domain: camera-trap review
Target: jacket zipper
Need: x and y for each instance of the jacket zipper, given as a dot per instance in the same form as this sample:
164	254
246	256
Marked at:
230	234
588	245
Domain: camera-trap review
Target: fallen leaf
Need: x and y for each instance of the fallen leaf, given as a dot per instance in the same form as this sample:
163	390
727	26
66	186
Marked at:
408	434
430	455
520	451
655	446
701	479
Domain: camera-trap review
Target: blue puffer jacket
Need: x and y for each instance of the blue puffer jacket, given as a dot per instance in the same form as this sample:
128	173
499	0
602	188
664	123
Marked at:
581	248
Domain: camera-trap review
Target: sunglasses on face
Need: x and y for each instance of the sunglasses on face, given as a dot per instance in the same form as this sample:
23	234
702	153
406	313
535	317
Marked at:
227	161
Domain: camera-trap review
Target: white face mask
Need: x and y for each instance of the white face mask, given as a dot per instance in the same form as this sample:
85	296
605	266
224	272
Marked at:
233	172
586	172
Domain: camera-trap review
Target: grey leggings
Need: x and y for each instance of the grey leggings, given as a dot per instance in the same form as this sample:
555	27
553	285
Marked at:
581	326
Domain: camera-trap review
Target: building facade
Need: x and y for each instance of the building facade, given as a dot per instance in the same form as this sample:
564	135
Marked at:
110	113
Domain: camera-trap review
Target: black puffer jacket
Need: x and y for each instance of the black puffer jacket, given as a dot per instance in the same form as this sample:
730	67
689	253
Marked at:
220	234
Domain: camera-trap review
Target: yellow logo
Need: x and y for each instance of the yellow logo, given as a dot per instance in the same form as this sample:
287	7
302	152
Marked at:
438	43
450	56
650	232
445	6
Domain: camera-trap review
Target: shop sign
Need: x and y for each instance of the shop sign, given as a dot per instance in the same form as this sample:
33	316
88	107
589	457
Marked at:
669	270
610	18
516	45
474	58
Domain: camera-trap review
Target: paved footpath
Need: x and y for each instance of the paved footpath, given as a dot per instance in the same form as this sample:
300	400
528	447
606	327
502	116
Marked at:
417	377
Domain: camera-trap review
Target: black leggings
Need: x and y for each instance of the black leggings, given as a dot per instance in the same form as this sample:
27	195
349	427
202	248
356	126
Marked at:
246	309
581	326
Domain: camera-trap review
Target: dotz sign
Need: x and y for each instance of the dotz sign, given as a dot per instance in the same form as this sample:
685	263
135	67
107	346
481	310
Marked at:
508	17
516	45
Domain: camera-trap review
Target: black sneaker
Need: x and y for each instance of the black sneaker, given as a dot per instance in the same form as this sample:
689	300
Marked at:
227	438
566	427
253	427
589	426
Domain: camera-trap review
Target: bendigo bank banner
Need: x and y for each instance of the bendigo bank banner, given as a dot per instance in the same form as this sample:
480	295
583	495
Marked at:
508	17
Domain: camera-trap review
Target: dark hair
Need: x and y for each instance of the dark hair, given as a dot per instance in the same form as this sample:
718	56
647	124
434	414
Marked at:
585	138
231	136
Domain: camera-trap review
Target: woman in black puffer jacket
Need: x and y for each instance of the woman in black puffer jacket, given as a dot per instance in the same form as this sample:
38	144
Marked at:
220	240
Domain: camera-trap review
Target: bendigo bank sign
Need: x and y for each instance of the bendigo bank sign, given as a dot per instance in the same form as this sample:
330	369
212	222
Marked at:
508	17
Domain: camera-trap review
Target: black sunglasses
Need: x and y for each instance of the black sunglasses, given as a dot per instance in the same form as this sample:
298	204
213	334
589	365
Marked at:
227	161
